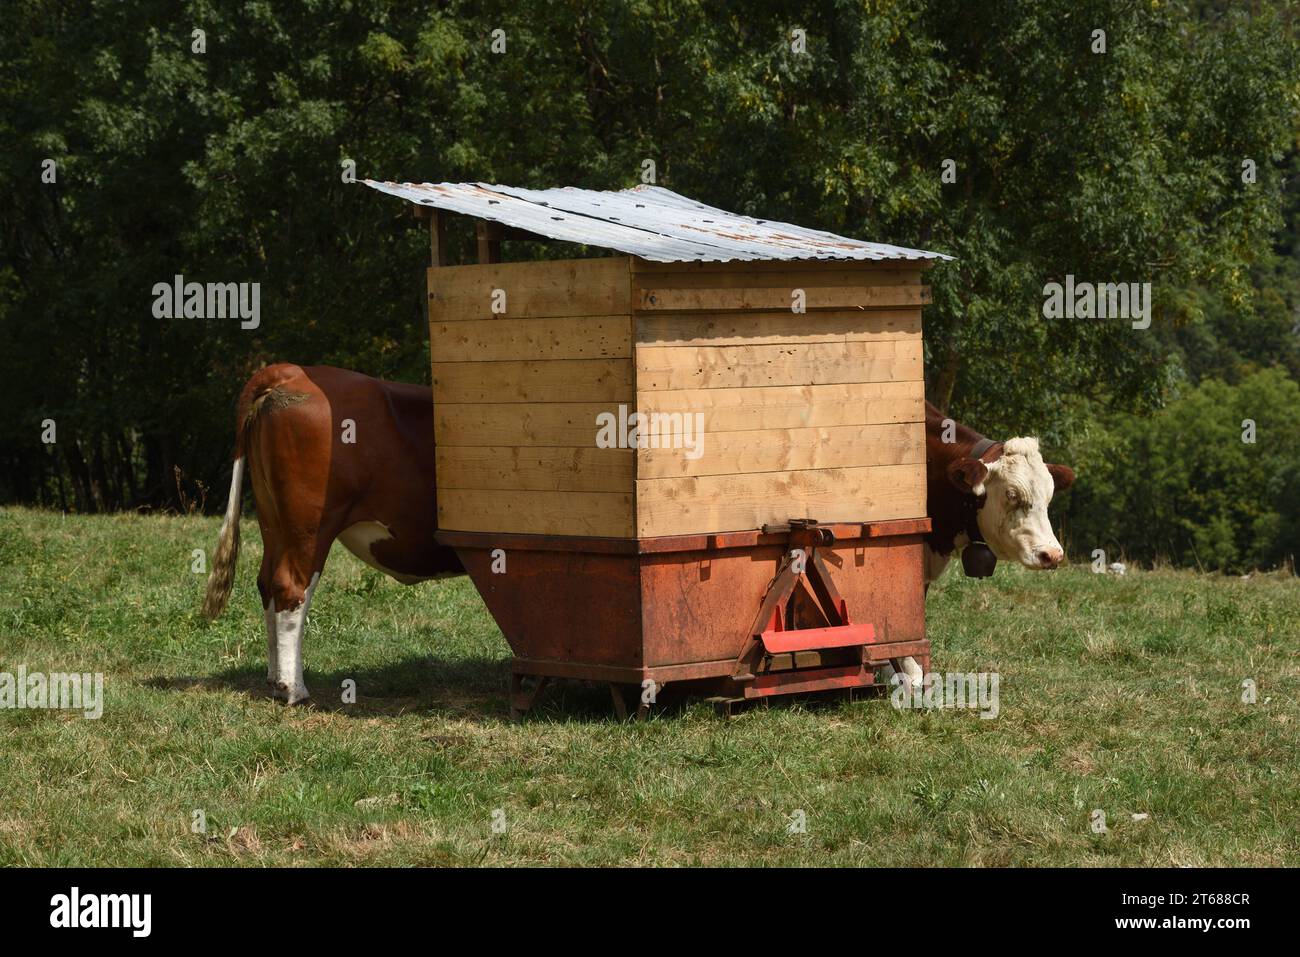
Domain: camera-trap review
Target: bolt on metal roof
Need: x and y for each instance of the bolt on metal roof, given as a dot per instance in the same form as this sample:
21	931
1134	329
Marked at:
647	221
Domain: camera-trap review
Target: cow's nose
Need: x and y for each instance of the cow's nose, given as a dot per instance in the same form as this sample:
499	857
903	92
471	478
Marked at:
1050	557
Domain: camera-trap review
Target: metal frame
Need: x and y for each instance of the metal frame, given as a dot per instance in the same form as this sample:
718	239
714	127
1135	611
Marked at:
803	638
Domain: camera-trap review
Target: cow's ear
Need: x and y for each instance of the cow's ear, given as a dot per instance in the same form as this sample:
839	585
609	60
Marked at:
968	475
1062	475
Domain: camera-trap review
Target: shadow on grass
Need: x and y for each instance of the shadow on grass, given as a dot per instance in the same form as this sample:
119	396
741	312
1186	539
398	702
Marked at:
474	688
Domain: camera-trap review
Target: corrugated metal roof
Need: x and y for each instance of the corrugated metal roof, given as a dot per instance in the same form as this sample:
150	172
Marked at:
647	221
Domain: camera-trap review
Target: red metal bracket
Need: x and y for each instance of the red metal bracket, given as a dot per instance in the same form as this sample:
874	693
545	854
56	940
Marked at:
772	632
777	640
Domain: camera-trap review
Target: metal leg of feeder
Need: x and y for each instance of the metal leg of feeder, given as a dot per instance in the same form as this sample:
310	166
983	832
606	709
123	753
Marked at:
725	707
620	703
643	707
522	701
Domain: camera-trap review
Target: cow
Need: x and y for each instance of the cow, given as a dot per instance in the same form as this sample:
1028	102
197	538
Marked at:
986	501
337	455
332	454
985	493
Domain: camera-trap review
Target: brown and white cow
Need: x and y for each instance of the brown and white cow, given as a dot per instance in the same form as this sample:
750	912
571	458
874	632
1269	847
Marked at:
979	490
374	493
986	500
377	495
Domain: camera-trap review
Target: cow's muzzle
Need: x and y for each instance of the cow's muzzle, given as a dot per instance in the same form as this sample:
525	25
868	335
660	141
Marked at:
1049	557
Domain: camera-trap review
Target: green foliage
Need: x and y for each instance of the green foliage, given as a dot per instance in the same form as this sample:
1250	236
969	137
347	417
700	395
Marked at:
1184	486
225	166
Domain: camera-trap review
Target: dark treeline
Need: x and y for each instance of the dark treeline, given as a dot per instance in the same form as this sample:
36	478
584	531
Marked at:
1164	151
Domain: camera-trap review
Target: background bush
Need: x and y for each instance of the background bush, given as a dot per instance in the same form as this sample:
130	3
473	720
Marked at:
1182	484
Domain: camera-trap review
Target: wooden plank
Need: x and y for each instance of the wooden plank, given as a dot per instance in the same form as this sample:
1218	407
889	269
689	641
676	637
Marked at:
574	424
558	380
661	368
751	297
488	235
551	424
720	503
535	469
777	274
606	514
771	328
587	337
790	407
785	450
562	287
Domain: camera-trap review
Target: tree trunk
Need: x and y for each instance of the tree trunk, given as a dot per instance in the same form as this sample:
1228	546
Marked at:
946	380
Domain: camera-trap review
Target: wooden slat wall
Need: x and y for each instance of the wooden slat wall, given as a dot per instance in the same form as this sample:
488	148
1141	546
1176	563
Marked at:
557	288
602	514
669	368
548	380
516	396
767	328
584	337
682	506
817	414
663	298
788	450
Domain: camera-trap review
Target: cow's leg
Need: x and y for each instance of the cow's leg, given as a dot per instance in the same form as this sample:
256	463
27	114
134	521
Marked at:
272	650
287	612
908	667
288	581
268	614
295	557
289	627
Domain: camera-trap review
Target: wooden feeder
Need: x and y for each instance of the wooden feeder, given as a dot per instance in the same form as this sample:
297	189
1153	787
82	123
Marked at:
782	551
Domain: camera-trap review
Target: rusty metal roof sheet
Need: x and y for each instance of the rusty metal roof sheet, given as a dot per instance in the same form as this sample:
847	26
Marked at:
647	221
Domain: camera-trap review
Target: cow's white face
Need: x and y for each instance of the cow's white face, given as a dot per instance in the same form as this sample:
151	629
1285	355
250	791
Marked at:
1014	521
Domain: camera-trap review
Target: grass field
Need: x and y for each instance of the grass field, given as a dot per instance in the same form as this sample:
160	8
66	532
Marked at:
1119	694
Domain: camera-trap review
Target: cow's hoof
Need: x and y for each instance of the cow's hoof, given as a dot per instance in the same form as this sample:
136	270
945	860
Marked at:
283	691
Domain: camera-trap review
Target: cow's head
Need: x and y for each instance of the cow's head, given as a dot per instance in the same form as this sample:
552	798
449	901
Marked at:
1018	486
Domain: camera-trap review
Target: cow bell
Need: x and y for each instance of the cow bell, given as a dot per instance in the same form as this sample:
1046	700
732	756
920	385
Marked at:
978	560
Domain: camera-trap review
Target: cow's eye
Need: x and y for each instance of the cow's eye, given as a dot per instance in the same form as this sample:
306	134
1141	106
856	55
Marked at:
1013	497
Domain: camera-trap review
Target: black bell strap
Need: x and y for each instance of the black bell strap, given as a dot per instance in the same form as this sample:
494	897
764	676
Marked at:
977	559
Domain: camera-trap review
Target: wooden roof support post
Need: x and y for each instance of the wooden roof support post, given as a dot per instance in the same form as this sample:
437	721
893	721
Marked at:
489	241
437	233
437	238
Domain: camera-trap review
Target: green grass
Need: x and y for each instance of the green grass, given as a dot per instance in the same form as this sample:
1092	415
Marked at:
1121	694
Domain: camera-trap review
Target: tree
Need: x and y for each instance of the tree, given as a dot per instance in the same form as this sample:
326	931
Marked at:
227	165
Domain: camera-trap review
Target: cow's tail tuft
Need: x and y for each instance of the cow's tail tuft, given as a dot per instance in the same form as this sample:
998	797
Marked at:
222	579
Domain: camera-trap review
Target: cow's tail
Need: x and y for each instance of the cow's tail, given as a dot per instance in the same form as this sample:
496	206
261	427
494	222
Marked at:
222	578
